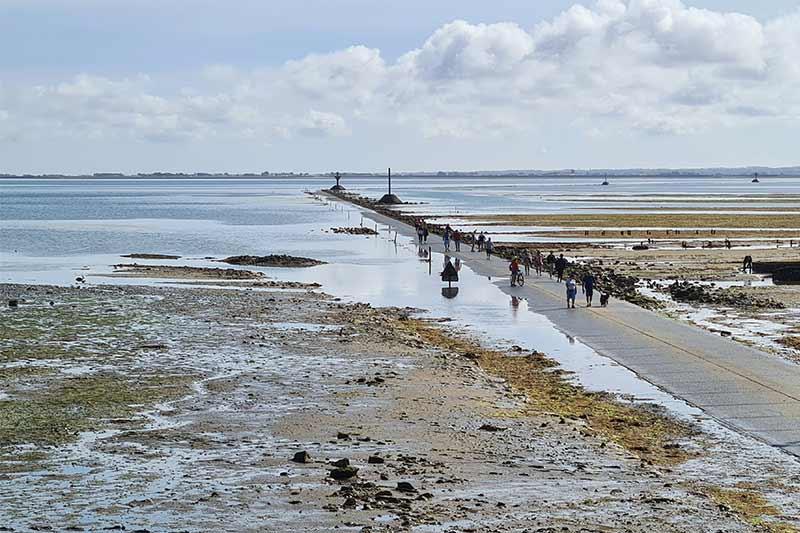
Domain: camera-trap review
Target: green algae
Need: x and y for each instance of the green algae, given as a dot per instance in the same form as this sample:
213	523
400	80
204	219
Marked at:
58	415
46	407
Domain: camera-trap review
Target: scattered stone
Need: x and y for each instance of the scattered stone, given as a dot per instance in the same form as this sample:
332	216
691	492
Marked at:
375	460
492	428
341	463
405	486
342	436
349	503
153	346
302	457
684	291
344	473
13	303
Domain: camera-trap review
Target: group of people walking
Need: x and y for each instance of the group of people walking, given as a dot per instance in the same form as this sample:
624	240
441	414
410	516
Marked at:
588	283
556	267
422	231
453	237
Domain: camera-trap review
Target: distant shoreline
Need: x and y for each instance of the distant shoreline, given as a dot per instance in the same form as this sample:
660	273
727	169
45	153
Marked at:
774	173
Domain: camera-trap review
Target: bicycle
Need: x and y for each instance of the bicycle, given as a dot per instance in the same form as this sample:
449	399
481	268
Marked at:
517	279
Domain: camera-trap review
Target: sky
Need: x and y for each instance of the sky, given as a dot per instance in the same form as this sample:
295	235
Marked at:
361	85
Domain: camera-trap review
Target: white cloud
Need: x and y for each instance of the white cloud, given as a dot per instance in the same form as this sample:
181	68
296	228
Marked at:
656	66
321	124
461	50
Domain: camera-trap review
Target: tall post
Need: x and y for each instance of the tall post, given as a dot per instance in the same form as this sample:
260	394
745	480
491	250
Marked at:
390	198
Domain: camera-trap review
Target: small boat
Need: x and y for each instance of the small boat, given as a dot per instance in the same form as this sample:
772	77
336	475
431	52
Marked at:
605	182
755	179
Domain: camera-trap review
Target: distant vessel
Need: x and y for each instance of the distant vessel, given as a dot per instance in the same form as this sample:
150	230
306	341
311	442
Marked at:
755	179
605	182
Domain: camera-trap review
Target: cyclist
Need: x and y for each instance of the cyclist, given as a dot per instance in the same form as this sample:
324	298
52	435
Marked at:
514	268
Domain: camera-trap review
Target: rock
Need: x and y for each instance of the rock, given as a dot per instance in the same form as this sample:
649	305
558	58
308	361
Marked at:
13	303
153	346
731	297
375	460
272	261
342	436
490	427
355	231
349	503
151	256
344	473
405	486
341	463
302	457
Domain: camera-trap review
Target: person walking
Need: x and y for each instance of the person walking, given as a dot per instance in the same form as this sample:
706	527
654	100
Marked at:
747	264
489	248
425	232
420	232
572	292
481	241
588	283
474	240
538	262
561	265
457	240
526	261
550	263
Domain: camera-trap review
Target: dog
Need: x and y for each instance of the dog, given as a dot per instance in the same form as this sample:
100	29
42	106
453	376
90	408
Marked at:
604	299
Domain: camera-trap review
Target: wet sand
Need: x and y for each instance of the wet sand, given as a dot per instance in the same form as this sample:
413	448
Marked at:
225	277
167	408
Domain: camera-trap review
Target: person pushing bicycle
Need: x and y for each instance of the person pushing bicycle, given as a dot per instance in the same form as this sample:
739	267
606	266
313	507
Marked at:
515	273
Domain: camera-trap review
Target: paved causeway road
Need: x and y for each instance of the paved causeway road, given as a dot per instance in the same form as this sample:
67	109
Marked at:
745	389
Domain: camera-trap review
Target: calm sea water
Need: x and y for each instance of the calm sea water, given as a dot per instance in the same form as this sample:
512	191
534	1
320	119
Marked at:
69	223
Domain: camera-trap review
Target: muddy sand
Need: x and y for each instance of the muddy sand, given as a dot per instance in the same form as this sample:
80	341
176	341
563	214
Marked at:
136	270
222	277
165	409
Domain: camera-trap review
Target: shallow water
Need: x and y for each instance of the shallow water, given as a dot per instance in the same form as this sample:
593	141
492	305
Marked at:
47	217
78	228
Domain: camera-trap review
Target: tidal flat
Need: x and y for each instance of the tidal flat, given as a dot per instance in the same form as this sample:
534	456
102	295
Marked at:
155	408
